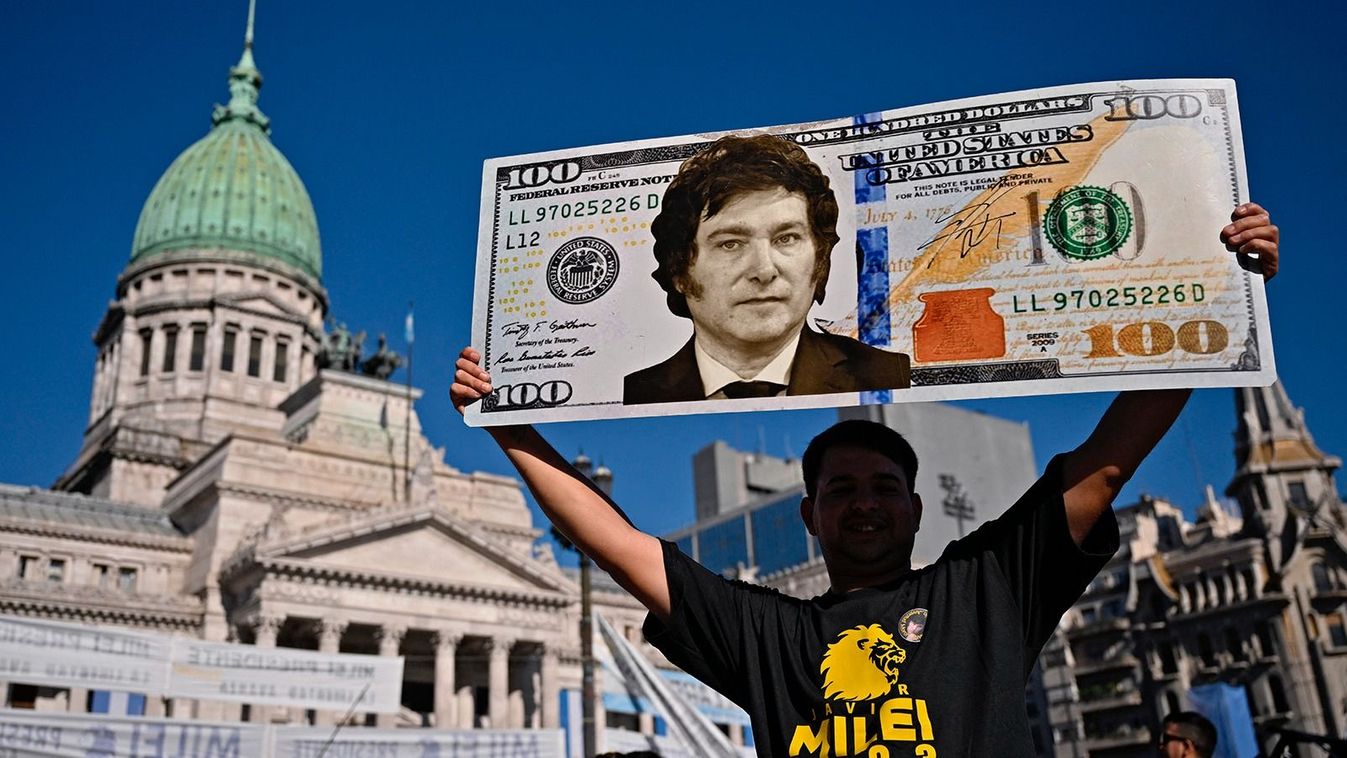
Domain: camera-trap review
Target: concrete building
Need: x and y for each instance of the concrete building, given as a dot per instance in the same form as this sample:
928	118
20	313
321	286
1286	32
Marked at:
1255	600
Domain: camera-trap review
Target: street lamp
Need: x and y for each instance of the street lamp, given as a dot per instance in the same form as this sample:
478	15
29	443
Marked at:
603	479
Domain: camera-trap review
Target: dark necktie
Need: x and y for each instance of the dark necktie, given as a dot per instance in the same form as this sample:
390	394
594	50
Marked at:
737	390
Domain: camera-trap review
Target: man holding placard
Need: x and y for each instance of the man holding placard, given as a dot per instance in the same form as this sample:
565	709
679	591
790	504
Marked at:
891	660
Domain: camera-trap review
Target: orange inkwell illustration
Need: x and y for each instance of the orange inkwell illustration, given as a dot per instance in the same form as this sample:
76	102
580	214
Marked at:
958	325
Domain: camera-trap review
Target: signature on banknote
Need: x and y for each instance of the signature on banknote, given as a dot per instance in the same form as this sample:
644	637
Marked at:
970	226
521	329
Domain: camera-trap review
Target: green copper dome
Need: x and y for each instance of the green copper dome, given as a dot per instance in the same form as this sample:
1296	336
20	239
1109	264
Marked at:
233	190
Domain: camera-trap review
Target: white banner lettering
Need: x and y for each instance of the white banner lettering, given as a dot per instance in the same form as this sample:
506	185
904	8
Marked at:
33	733
285	676
61	654
312	742
72	655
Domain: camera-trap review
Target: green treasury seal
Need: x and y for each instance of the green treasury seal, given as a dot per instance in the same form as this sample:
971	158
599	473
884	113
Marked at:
1085	223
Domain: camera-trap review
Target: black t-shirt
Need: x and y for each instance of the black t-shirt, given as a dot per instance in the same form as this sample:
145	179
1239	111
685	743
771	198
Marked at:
933	664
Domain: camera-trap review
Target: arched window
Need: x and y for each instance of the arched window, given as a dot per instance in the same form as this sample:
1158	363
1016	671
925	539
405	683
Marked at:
1172	701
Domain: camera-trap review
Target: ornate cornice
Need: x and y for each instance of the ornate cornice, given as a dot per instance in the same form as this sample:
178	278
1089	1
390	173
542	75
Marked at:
170	303
92	605
91	534
403	584
288	498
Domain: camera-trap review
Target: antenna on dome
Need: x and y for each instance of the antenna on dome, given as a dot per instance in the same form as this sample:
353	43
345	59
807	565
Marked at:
248	35
244	82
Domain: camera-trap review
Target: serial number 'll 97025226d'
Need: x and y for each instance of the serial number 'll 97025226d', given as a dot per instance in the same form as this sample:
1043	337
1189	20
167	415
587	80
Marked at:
1111	297
581	209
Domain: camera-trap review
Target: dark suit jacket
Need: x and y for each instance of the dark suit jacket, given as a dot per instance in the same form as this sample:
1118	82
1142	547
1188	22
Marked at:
824	364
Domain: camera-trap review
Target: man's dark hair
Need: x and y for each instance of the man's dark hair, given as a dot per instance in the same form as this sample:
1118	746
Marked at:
1195	728
733	166
864	434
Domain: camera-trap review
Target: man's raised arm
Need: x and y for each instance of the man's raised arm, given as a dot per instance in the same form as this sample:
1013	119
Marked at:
1095	472
577	508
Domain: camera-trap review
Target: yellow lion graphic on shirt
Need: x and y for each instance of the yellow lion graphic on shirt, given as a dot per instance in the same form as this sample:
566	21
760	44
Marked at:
862	664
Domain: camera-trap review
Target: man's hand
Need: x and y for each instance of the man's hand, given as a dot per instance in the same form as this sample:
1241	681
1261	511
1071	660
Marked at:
1096	471
471	381
1252	233
579	509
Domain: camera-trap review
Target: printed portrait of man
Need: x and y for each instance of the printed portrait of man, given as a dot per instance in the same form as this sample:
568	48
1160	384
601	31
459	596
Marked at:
913	625
744	242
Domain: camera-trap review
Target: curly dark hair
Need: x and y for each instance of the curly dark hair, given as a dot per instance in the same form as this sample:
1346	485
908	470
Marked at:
732	166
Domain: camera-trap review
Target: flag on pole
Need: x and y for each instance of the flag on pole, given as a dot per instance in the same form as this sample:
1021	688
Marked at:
410	326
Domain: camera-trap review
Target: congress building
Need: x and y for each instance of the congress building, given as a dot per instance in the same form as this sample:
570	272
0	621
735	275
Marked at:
245	476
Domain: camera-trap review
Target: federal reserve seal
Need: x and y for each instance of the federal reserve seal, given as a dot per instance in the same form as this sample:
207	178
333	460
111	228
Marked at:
1085	223
581	270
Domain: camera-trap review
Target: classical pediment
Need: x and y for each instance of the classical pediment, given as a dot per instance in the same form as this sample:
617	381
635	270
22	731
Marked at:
262	303
425	546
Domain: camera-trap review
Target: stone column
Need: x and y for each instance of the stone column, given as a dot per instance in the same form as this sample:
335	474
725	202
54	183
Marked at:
499	682
551	688
390	639
266	628
330	631
446	650
79	700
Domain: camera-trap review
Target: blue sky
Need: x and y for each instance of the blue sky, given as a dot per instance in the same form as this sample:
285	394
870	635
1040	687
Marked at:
387	111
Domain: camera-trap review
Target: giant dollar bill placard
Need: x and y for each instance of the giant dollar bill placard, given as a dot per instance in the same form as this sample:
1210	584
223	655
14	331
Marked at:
1038	242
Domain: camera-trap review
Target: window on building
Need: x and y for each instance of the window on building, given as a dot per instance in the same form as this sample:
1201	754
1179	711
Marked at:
255	355
1279	702
231	337
1323	581
146	342
1295	492
1255	708
1172	700
56	570
103	575
126	579
170	348
197	360
1167	662
28	566
1234	644
1205	650
282	357
1337	630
